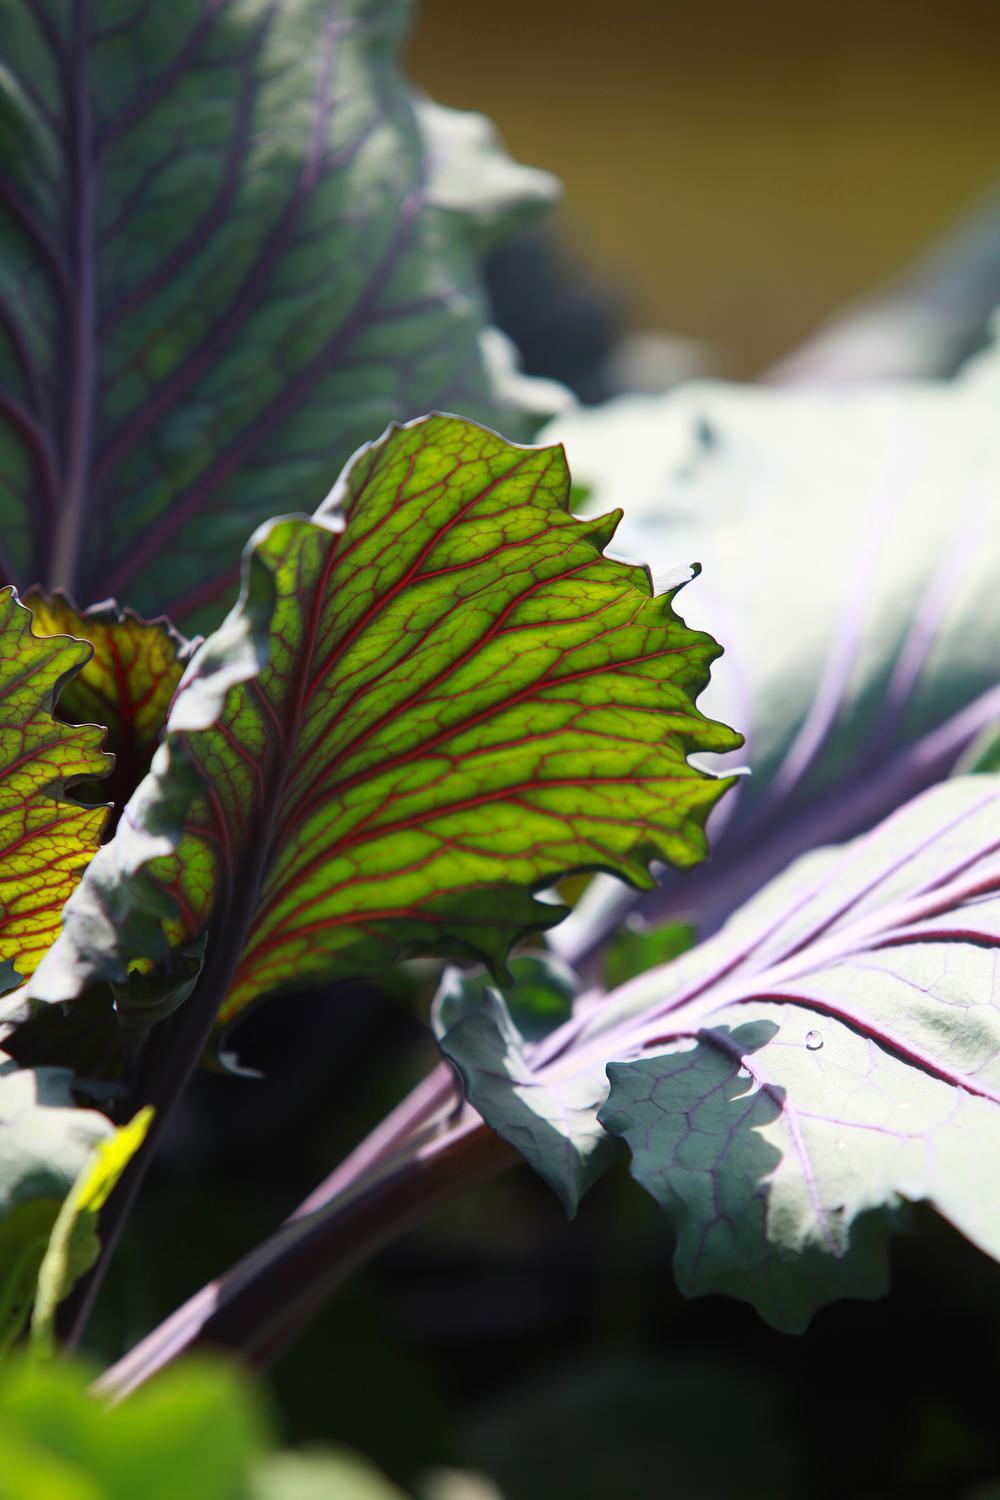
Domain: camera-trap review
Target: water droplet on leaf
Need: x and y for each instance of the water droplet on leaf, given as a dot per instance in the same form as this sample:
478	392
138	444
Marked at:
813	1041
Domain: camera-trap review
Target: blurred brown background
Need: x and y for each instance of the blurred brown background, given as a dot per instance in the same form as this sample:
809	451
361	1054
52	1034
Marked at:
742	167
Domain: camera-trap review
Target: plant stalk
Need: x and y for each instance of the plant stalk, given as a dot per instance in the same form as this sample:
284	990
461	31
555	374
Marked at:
172	1053
434	1096
253	1306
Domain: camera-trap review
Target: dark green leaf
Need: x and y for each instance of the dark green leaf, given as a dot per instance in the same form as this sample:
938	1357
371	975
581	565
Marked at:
539	995
231	248
555	1130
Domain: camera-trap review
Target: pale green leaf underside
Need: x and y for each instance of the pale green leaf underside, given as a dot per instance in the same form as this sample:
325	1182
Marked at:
833	1054
556	1130
850	541
847	1063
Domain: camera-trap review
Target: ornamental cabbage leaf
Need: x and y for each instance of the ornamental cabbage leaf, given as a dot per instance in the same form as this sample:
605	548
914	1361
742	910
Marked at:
434	698
850	540
232	246
789	1086
46	837
126	686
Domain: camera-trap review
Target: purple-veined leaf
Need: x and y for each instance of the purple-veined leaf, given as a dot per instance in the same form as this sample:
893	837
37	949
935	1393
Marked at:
232	246
46	837
434	698
851	545
832	1054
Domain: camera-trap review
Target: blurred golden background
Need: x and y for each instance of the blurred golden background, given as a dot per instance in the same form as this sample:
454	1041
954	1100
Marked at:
741	167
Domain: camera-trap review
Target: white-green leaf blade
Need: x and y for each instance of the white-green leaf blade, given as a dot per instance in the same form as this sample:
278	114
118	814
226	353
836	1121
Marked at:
850	542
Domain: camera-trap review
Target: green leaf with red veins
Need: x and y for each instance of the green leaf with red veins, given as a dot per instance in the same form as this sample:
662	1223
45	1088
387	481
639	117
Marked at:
232	246
434	698
46	838
126	685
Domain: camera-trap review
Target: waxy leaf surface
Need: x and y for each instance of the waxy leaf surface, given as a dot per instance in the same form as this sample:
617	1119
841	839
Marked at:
832	1054
46	838
434	698
126	685
493	1038
850	542
231	248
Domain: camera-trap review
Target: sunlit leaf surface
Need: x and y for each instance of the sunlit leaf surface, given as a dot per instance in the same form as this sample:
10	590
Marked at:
850	541
788	1087
46	838
126	685
436	697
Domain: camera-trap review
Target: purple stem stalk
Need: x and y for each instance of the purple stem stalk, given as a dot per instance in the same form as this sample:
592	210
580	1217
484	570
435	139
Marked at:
279	1283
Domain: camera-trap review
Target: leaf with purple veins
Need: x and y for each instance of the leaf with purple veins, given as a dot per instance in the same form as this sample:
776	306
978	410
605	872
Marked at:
231	247
832	1054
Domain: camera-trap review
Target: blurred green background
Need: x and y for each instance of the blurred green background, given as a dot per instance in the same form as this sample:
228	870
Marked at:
741	167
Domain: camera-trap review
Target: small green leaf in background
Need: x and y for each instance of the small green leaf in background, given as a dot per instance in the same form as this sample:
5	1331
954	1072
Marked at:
126	685
195	1432
45	1144
982	756
319	1474
73	1245
434	698
285	253
46	838
638	945
199	1431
